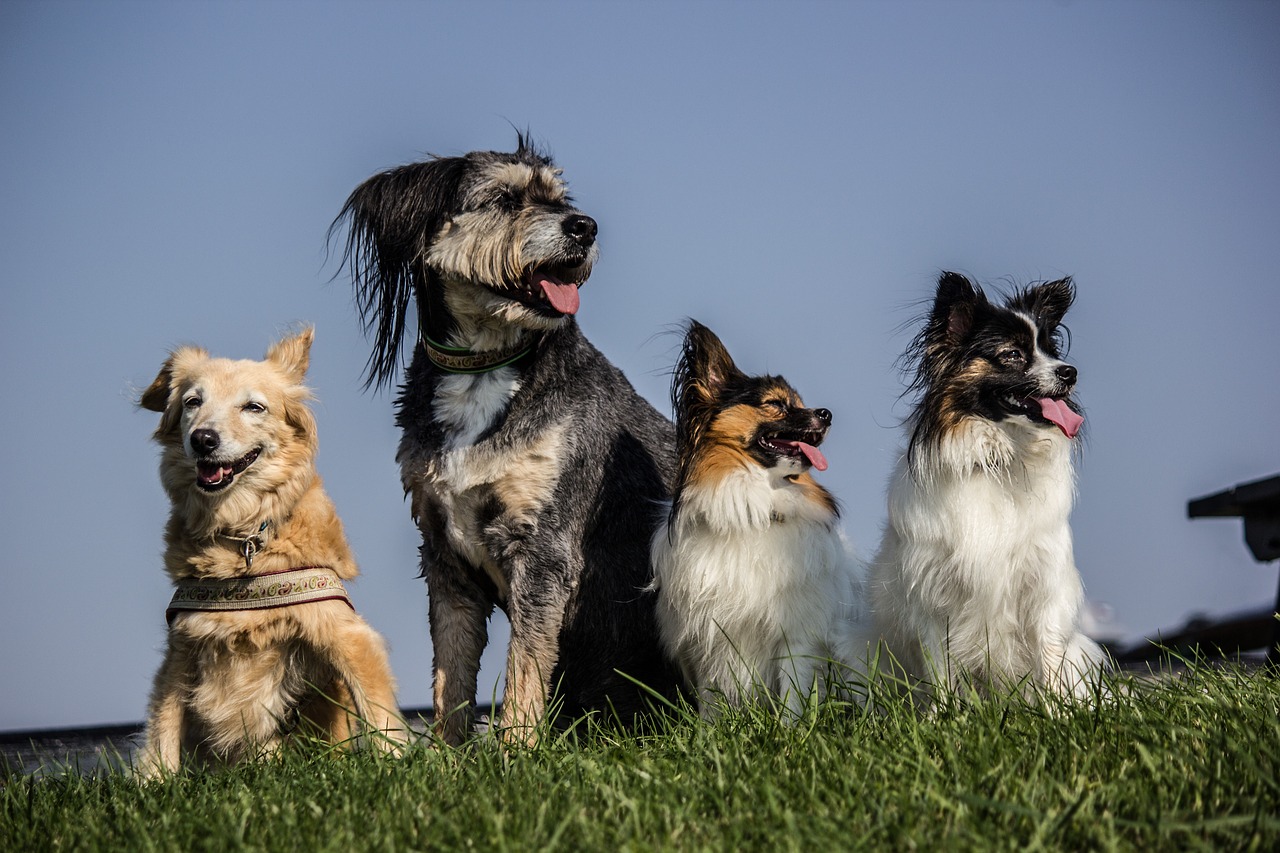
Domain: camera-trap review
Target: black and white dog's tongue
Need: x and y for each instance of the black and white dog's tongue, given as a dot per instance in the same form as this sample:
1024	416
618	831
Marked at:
1059	413
562	296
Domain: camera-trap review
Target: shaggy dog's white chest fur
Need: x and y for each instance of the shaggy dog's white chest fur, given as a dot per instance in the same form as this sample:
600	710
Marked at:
466	474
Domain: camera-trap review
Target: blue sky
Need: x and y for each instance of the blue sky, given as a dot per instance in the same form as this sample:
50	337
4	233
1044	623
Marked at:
792	174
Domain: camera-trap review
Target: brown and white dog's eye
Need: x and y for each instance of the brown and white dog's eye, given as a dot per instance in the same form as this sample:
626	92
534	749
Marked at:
253	408
192	402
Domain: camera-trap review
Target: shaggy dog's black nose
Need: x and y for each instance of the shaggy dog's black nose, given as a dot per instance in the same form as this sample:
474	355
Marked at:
581	229
1066	373
204	440
823	415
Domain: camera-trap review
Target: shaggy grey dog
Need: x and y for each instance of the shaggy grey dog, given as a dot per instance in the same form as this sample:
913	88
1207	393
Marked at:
534	468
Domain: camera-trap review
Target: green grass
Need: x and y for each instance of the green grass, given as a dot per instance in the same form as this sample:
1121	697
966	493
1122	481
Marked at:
1194	764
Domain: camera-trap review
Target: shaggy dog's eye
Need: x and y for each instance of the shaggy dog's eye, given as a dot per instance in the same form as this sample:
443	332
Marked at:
254	408
1011	357
776	407
192	402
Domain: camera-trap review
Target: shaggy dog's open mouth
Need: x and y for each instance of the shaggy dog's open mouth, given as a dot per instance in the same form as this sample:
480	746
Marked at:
552	290
796	445
215	475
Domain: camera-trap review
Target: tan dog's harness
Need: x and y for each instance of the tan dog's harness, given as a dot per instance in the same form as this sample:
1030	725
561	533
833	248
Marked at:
262	592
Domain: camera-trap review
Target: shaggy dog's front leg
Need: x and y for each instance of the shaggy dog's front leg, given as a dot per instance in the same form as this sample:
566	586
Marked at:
458	610
537	616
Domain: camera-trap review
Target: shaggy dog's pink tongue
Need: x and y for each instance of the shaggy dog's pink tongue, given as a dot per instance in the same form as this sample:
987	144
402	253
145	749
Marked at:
1058	412
563	297
813	454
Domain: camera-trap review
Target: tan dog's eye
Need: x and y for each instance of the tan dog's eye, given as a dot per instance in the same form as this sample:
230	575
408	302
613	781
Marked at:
192	402
254	408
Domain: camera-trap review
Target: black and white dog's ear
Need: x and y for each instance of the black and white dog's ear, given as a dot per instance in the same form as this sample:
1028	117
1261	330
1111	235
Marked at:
1050	301
391	219
954	306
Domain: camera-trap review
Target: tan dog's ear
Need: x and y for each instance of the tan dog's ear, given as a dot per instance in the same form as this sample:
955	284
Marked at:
156	397
293	354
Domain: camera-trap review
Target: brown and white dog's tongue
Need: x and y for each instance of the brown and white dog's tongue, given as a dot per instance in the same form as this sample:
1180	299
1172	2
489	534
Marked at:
1058	412
562	296
813	454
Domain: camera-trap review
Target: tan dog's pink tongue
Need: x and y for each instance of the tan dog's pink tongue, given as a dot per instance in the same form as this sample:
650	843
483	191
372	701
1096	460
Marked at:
212	473
563	297
814	455
1058	412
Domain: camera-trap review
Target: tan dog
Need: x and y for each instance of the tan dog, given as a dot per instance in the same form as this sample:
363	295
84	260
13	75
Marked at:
262	637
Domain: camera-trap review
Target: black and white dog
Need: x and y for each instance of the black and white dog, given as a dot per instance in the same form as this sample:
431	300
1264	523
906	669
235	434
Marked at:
975	578
534	468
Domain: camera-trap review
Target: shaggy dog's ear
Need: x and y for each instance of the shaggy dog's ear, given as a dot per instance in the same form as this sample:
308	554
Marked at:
391	218
293	354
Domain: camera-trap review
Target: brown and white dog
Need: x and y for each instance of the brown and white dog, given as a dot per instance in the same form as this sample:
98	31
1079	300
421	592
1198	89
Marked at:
262	637
759	597
534	468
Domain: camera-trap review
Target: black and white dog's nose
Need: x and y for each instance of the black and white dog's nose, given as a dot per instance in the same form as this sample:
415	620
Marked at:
580	228
204	441
1066	373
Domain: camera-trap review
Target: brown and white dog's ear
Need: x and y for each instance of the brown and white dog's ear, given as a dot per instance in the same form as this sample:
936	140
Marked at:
293	354
156	397
705	366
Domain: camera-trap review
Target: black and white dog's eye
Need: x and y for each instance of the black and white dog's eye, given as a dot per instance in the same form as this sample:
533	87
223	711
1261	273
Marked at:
1011	357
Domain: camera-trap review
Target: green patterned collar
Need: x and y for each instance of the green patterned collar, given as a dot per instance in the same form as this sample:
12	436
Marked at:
462	360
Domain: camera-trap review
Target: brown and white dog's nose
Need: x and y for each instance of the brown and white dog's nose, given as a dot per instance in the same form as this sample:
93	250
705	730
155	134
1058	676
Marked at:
204	441
1066	374
580	228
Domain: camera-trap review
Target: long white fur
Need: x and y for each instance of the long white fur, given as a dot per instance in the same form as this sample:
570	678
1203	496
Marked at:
756	585
976	573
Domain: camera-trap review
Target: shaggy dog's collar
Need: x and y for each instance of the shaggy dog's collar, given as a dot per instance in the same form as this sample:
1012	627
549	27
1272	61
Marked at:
263	592
462	360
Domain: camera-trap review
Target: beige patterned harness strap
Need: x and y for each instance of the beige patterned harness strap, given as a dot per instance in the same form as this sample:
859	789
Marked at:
262	592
